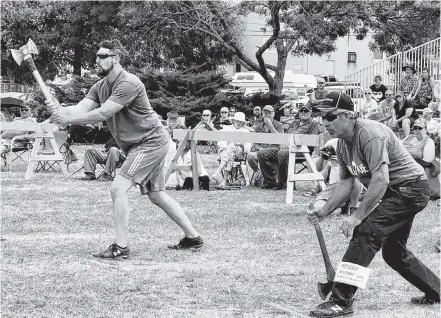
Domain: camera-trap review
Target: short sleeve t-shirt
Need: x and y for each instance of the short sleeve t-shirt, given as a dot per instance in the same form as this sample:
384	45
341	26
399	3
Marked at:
137	122
401	112
261	129
374	144
378	93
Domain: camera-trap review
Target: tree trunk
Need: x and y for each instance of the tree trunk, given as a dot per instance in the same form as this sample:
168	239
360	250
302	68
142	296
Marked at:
78	54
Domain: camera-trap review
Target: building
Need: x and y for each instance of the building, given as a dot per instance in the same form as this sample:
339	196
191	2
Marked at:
351	54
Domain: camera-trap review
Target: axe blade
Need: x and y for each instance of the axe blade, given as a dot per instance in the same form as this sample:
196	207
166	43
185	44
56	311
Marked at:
18	56
32	48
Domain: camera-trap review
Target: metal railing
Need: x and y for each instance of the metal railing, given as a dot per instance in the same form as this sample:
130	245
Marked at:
426	55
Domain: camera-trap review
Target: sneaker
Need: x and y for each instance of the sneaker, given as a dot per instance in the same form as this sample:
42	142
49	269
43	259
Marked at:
188	243
331	309
88	176
105	177
424	300
114	251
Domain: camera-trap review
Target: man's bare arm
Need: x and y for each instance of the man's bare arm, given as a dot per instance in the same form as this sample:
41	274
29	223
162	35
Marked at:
84	106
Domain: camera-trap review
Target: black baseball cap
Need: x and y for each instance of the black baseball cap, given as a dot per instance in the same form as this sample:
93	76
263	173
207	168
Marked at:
334	101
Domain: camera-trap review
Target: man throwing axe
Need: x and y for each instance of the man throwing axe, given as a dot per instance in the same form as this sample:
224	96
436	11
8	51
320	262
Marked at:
397	189
120	98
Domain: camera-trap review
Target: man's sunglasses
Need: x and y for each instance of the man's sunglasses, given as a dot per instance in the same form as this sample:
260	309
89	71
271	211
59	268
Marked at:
224	112
418	128
24	109
104	56
387	94
304	110
329	117
321	82
205	115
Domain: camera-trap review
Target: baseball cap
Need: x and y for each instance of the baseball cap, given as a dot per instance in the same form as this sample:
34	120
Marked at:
268	108
420	122
307	106
206	112
224	109
334	101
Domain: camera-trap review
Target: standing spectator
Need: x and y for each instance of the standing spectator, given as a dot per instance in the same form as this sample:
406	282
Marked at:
424	92
387	106
269	125
369	104
174	121
222	120
409	82
319	95
257	119
305	126
205	123
404	114
378	89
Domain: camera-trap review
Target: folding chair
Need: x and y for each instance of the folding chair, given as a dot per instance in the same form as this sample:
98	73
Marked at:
19	147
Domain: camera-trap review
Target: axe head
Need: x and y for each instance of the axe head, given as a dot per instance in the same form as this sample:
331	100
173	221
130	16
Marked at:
29	48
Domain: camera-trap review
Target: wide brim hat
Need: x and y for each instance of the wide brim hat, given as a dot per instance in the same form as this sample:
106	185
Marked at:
239	116
409	66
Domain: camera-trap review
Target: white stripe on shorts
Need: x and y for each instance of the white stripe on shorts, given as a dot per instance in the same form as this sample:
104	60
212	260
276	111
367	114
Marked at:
135	163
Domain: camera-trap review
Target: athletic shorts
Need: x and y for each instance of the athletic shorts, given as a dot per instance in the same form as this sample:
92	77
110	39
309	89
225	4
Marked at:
144	165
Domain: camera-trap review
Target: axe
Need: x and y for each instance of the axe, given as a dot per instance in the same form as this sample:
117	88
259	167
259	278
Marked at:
24	54
324	288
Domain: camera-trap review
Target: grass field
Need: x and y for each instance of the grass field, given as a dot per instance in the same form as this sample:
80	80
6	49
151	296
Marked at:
258	250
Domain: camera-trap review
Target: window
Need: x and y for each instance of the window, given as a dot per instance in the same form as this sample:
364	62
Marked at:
238	67
241	77
352	57
250	77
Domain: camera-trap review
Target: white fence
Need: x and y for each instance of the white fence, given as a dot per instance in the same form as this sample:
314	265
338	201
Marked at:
426	55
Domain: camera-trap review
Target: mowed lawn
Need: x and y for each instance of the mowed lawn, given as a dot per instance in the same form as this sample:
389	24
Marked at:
258	250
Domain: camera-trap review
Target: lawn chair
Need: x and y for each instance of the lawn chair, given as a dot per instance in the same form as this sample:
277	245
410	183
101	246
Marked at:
20	147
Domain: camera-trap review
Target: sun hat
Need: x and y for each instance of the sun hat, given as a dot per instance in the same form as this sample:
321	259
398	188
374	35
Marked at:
239	116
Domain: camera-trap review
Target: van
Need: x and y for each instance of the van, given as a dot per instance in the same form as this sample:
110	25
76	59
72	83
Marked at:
252	82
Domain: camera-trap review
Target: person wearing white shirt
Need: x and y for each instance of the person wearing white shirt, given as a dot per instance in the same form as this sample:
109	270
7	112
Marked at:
370	105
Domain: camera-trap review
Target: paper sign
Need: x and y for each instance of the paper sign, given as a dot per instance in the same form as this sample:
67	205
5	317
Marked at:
352	274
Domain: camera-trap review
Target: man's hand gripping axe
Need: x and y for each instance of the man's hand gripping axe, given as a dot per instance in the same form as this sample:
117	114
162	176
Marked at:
24	54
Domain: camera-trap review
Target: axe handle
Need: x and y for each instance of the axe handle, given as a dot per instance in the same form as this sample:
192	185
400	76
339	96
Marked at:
30	63
330	273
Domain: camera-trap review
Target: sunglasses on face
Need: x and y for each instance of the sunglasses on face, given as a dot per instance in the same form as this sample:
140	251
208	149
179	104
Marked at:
399	96
329	117
388	95
367	93
104	56
320	82
205	115
303	110
418	128
24	110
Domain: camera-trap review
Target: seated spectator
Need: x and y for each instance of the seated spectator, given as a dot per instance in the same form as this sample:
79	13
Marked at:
305	125
222	120
437	92
205	123
174	120
434	106
424	92
287	118
318	96
21	137
404	114
433	126
2	117
185	178
378	89
369	104
231	151
329	167
232	111
386	107
257	119
420	146
269	125
111	155
409	82
10	116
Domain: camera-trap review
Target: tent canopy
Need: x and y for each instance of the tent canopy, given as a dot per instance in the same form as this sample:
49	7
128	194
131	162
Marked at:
12	99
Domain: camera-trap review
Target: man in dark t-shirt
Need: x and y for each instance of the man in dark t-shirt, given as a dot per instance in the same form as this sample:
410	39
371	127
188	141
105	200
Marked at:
121	99
403	114
378	89
397	189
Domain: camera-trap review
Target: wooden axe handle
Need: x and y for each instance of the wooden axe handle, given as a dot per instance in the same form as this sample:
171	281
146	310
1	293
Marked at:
30	63
330	273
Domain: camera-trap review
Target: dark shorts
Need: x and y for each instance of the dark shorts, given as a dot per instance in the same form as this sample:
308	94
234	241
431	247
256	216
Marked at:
145	166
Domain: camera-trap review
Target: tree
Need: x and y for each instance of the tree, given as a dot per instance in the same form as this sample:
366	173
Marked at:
65	33
401	25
